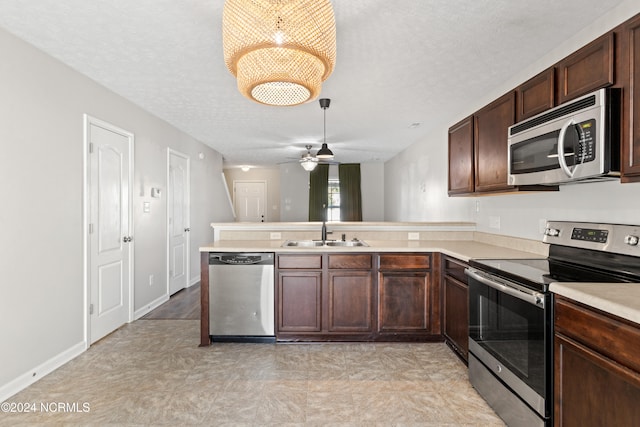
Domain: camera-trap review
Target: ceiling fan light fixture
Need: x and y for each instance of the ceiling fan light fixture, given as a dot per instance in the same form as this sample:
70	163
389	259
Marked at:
309	165
308	162
279	51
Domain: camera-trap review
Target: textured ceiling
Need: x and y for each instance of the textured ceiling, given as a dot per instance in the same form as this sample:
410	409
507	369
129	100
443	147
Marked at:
398	63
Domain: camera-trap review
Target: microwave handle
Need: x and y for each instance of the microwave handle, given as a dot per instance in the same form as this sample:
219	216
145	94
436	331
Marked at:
561	159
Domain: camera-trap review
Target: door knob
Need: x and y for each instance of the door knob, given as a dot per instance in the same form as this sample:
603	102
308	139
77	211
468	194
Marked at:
127	239
187	230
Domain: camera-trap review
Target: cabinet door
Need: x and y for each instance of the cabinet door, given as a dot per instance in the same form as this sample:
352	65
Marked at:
456	314
299	301
461	173
490	127
630	162
536	95
592	390
586	70
403	301
350	301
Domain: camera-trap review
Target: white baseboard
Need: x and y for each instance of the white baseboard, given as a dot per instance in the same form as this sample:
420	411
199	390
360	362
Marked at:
150	307
40	371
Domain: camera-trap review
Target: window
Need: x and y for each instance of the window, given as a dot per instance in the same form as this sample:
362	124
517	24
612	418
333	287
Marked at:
333	209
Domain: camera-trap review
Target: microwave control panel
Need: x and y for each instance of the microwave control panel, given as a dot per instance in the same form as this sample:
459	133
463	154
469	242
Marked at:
586	143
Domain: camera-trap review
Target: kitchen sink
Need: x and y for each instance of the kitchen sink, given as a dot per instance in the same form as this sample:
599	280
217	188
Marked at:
348	243
320	243
302	243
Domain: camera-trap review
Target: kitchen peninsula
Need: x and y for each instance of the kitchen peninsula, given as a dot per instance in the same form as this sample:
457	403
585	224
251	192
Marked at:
394	287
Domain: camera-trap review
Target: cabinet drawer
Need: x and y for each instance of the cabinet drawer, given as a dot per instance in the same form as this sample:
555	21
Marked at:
455	268
616	338
405	261
299	261
362	261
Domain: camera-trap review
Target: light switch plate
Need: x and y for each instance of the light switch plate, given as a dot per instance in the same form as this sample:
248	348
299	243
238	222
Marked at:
413	236
275	236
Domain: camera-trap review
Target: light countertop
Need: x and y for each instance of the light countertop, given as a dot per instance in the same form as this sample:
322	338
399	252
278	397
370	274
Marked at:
461	249
619	299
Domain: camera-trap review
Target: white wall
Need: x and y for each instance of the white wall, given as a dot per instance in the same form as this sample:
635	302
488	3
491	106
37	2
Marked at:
416	179
294	193
416	185
41	256
372	188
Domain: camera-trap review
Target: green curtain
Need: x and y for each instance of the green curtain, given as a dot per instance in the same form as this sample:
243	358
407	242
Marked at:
318	192
350	193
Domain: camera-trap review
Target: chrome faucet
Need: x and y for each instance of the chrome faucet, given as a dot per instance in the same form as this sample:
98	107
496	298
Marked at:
324	231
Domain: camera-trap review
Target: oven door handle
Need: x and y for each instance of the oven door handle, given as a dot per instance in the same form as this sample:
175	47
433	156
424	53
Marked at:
531	297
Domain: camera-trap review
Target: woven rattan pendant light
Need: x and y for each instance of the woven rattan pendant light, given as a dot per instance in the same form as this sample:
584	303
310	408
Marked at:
279	50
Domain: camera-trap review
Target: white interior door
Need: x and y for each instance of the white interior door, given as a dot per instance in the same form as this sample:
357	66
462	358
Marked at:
249	200
110	251
178	221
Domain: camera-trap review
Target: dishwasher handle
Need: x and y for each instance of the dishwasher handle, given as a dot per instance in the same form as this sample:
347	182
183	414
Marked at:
254	258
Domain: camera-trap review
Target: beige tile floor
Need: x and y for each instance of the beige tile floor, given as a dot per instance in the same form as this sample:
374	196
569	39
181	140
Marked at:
151	372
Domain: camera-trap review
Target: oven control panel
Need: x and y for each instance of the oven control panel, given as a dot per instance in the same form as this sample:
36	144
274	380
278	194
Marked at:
615	238
590	235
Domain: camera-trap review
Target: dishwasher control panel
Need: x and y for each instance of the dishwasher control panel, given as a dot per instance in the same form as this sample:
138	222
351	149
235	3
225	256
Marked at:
241	258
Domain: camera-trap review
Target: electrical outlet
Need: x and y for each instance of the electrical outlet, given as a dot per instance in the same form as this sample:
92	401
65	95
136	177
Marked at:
275	236
477	205
151	280
413	236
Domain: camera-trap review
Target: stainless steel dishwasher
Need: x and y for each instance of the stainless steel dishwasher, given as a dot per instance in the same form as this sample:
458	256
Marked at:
241	297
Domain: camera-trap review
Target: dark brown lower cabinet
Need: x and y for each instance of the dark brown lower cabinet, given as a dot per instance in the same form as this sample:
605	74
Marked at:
300	301
596	368
404	303
456	315
455	305
324	297
350	301
356	297
408	300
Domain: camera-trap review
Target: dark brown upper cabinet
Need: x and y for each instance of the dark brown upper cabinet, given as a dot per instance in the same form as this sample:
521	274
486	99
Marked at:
490	143
461	162
587	69
629	70
536	95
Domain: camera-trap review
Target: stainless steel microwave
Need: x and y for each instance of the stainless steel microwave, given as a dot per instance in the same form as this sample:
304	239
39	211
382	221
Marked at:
573	142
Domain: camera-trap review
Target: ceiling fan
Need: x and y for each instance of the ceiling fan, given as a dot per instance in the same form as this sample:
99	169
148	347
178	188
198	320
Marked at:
309	162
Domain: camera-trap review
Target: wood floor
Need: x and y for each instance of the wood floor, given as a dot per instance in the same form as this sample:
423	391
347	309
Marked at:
183	305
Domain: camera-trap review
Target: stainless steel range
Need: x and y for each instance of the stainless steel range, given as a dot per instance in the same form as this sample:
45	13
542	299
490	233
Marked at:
511	319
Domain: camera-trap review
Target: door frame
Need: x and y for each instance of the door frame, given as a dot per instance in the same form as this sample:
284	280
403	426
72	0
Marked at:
171	151
266	192
87	120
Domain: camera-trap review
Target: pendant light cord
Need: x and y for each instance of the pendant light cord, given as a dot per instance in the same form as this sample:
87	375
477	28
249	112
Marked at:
325	125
